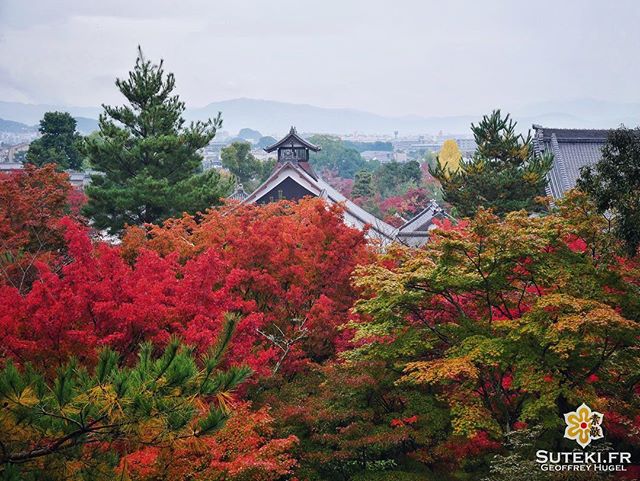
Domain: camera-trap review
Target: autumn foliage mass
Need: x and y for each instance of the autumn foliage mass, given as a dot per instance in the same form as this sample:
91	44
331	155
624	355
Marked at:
272	342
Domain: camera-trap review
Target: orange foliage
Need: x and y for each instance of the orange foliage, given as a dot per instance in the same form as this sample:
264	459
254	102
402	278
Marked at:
244	449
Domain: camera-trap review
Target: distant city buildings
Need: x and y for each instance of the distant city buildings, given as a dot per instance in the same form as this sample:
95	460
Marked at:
6	166
413	147
15	138
400	156
382	156
13	152
78	179
260	154
385	156
12	156
211	155
466	145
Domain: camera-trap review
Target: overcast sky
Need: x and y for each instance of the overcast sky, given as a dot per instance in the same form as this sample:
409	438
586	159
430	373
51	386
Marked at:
390	57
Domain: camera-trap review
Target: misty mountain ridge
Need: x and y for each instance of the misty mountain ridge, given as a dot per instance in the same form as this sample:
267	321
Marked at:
84	125
13	127
275	118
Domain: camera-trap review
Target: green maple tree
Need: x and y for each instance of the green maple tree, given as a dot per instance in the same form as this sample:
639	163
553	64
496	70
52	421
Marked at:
509	321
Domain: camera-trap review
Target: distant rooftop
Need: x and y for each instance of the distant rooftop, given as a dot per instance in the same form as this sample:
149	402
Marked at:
238	194
415	232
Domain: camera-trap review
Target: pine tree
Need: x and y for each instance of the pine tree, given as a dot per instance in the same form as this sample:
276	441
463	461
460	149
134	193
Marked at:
52	427
393	178
362	186
60	143
504	174
148	159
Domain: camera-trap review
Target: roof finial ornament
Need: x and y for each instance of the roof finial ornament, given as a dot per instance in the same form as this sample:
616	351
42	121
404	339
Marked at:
293	130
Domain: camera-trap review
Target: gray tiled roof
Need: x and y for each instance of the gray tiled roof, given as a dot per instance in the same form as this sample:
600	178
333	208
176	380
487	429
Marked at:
572	149
415	232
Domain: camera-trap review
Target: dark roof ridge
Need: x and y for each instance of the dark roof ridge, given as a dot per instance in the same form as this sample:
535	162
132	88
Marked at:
572	135
293	133
573	129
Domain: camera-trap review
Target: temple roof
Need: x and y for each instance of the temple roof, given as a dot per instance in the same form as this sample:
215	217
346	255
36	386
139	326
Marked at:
415	232
354	215
572	149
292	139
294	179
238	194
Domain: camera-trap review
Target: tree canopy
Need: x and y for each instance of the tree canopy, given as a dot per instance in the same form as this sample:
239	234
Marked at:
364	146
501	325
32	203
390	178
614	184
131	360
180	280
336	156
248	170
59	144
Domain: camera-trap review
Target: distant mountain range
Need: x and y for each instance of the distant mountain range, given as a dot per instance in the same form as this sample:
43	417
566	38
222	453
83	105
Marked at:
273	117
277	117
12	127
84	126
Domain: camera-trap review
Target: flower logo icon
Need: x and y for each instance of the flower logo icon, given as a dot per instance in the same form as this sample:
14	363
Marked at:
583	425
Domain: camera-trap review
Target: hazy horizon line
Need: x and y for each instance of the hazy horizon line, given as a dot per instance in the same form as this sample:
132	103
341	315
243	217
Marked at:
354	109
